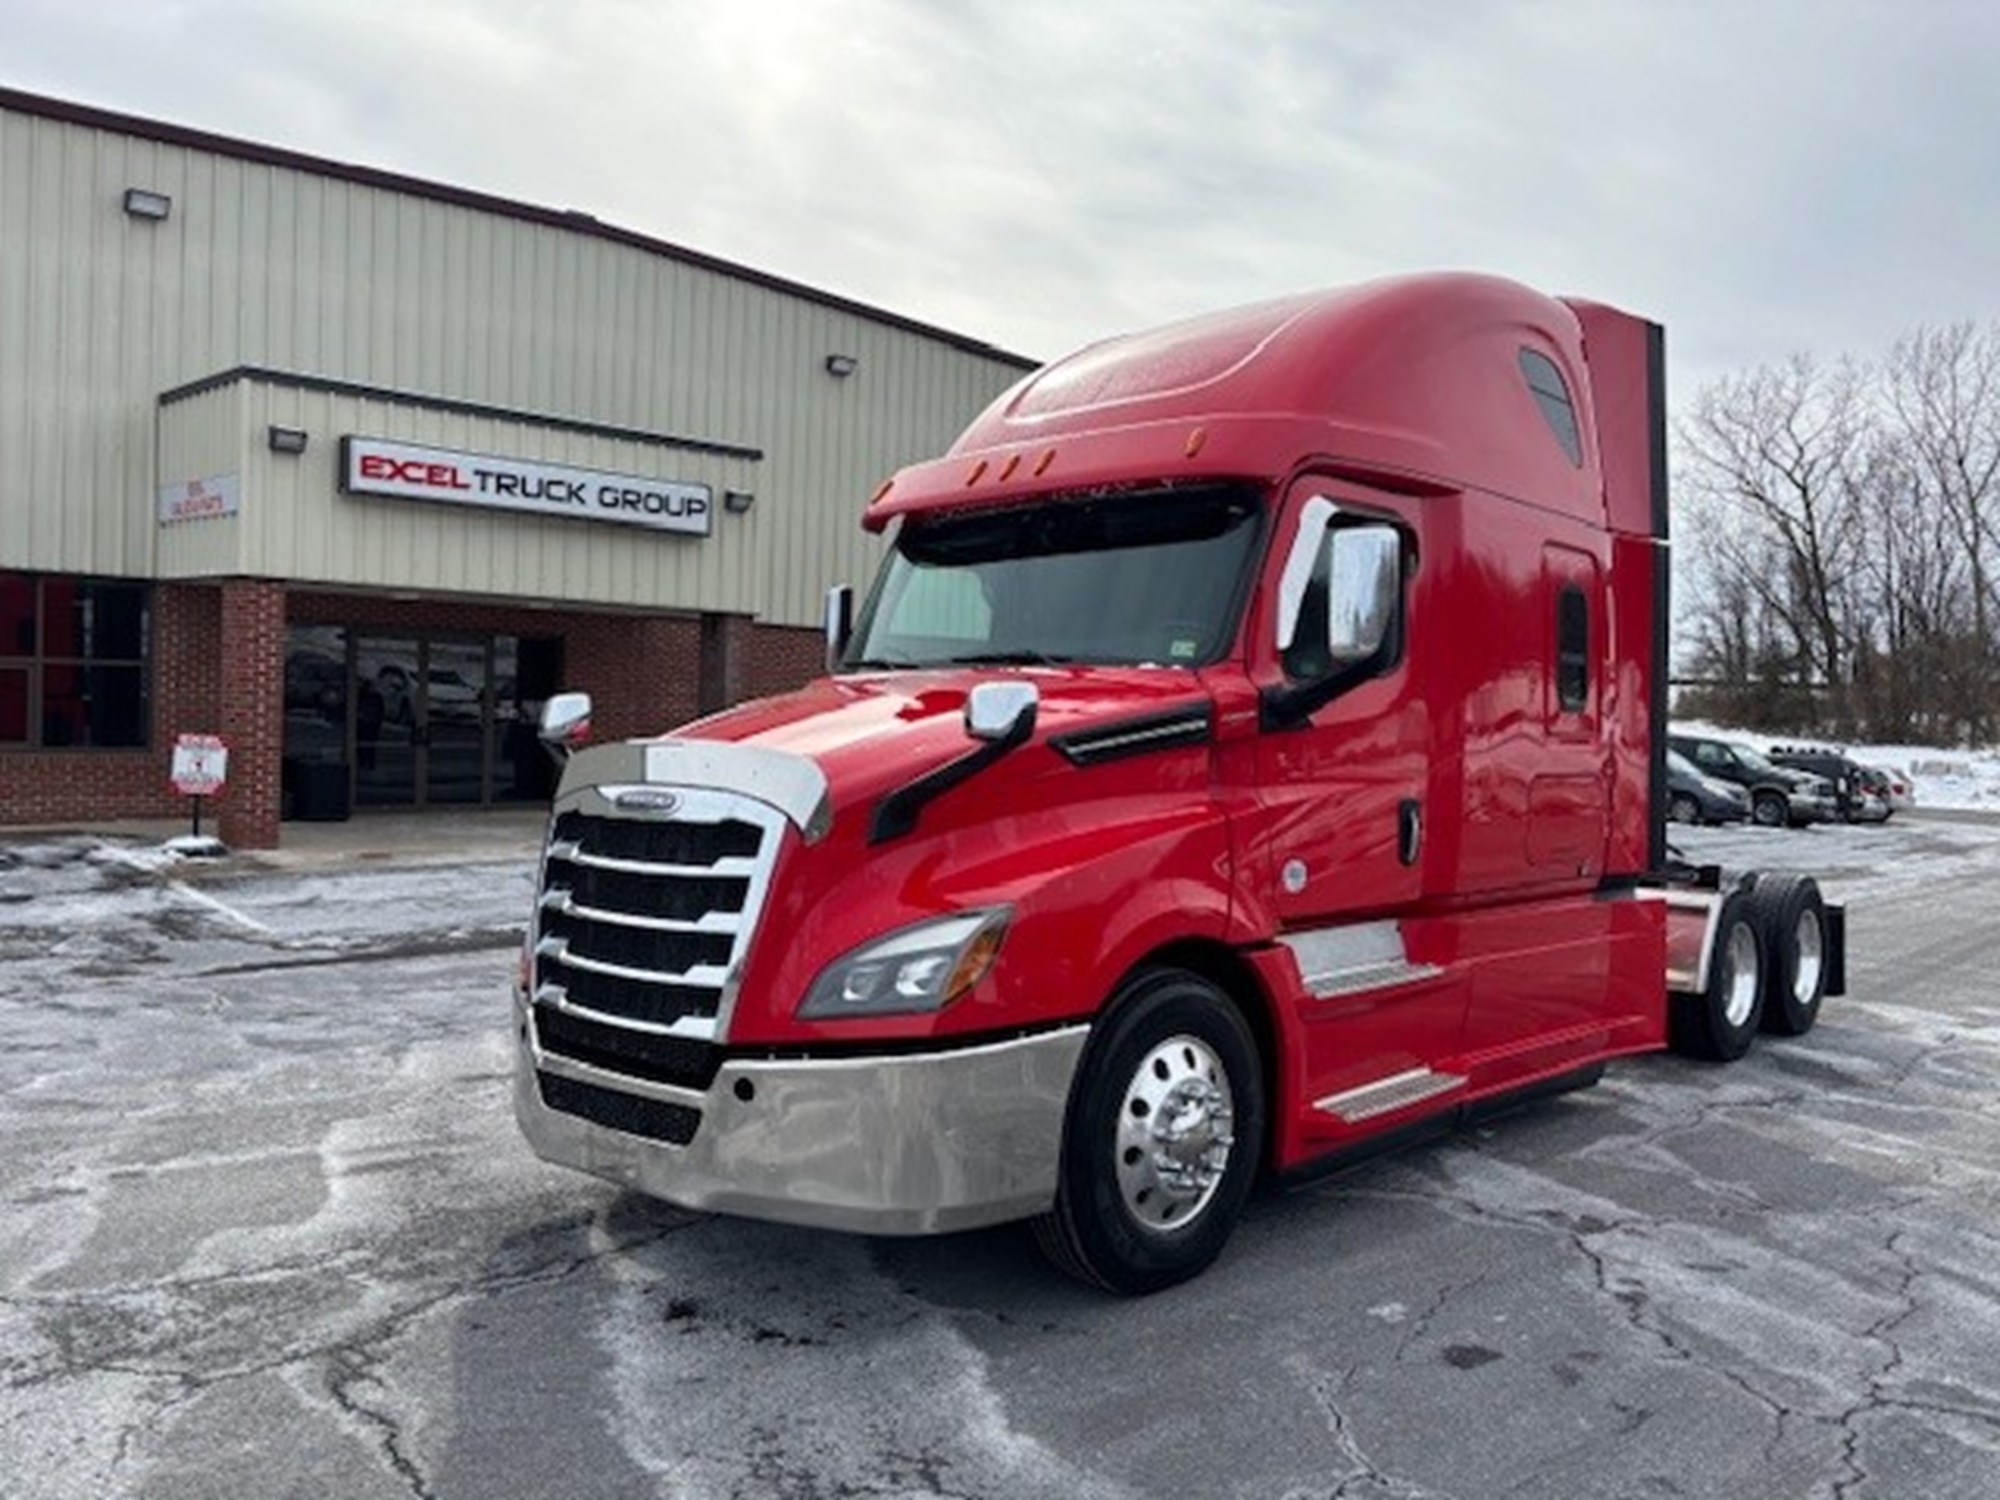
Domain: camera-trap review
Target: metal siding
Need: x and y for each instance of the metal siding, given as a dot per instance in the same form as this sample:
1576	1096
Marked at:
201	438
273	266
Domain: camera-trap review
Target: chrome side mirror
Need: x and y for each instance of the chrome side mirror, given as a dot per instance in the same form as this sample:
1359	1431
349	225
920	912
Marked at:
1365	579
839	624
565	724
1001	710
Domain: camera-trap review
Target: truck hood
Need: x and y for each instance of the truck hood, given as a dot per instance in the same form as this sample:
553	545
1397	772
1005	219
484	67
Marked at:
871	734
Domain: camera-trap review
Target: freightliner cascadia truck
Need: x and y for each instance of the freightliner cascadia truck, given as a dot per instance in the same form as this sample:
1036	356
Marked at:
1250	754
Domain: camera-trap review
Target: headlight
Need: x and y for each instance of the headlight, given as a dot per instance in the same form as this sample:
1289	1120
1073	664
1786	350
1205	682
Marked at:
916	969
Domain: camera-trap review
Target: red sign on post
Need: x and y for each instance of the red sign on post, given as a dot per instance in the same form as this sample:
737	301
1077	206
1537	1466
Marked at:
201	764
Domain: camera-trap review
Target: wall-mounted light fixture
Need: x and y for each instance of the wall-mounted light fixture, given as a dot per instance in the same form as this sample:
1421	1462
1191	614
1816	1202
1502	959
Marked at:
144	203
840	366
736	502
286	439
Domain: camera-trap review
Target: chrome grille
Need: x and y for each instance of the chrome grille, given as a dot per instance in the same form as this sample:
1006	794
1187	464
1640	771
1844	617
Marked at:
642	923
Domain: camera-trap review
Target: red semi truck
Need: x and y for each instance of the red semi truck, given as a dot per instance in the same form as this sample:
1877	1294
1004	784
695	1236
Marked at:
1249	755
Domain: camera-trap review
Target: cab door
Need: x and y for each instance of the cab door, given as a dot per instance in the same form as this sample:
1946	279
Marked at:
1344	765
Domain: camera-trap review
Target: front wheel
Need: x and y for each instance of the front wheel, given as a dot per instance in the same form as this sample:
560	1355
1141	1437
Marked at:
1165	1126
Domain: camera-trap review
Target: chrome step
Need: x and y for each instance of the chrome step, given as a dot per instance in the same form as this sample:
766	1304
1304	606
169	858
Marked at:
1387	1094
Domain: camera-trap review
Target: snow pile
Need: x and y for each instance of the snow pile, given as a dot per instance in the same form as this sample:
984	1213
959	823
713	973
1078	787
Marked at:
151	858
1943	778
1956	779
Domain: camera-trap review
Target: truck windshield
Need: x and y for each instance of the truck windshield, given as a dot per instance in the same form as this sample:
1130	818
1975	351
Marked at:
1152	578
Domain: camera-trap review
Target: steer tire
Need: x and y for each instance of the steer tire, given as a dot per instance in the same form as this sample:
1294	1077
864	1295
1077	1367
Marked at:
1171	1046
1720	1023
1792	916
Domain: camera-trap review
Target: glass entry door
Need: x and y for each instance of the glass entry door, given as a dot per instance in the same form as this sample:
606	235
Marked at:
417	720
388	721
455	703
421	708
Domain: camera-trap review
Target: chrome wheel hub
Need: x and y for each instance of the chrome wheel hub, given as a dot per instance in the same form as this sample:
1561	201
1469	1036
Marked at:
1741	994
1176	1125
1812	957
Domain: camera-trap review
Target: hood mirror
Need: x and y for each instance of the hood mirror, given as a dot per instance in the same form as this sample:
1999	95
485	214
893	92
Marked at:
566	724
1001	710
839	624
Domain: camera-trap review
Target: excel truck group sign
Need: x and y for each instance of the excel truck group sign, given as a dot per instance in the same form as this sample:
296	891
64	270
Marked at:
402	471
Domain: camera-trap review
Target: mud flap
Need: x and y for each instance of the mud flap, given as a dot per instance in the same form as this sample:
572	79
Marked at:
1836	949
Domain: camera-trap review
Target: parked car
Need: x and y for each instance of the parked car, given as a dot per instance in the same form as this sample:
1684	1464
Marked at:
1892	786
1779	797
1695	798
1854	801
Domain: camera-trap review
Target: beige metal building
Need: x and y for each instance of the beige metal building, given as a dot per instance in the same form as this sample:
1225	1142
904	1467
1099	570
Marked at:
352	469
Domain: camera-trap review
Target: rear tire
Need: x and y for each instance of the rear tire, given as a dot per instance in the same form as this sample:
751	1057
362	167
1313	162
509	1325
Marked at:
1162	1139
1720	1023
1681	808
1770	810
1792	915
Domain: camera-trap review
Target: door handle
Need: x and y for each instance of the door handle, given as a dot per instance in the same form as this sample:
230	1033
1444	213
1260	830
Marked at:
1409	830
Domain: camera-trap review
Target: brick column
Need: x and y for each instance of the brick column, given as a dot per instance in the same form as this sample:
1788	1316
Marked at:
725	661
641	671
253	709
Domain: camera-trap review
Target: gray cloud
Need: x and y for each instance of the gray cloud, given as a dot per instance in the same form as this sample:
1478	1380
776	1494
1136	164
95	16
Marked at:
1795	174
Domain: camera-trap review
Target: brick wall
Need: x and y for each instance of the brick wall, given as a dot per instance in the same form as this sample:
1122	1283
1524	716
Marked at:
409	616
643	674
783	657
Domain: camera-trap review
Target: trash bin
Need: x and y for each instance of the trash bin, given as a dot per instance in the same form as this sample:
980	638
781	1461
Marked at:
320	791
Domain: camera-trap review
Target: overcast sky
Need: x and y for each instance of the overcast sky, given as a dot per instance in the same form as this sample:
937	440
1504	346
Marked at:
1764	177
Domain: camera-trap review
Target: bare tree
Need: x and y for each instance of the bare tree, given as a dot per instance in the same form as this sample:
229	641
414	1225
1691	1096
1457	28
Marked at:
1942	388
1768	474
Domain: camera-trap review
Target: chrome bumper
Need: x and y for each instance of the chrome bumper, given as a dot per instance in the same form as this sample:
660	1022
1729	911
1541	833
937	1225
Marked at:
920	1143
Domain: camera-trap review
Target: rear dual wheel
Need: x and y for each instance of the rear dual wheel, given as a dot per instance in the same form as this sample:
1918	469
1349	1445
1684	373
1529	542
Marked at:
1767	969
1792	914
1162	1137
1720	1022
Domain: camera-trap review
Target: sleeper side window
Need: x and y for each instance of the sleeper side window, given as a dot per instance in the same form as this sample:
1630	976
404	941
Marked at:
1552	398
1572	649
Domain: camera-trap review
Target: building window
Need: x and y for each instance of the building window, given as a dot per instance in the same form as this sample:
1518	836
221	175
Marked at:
73	662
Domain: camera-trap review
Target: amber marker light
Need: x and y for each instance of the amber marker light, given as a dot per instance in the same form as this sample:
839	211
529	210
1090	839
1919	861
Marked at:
1042	463
1007	470
974	961
883	493
1195	440
978	472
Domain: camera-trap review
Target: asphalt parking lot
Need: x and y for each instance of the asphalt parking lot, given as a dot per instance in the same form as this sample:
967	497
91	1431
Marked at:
269	1231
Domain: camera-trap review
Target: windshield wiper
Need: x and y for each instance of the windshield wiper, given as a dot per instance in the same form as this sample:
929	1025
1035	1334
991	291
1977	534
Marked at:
1010	659
875	664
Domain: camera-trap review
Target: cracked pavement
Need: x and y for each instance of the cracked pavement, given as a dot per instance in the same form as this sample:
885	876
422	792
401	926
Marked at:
268	1230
